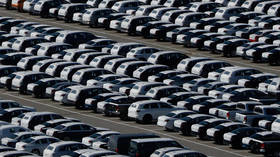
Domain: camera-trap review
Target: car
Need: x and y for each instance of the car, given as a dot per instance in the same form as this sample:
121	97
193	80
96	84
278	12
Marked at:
5	70
200	128
256	53
75	38
141	53
137	145
96	44
184	124
145	10
255	36
23	42
72	130
124	48
150	110
8	24
42	65
185	152
161	76
43	127
16	153
178	96
100	61
38	88
172	35
163	91
180	79
160	31
144	72
162	151
243	94
258	142
113	64
232	75
123	6
254	80
120	83
68	72
98	153
212	44
157	13
205	106
215	26
241	50
67	10
59	148
144	30
102	79
246	32
9	113
165	57
187	63
86	58
130	23
215	75
172	116
201	24
21	80
142	87
36	144
31	119
89	140
218	92
74	54
20	136
227	12
234	138
27	63
170	16
56	68
228	48
48	49
195	83
120	143
187	18
90	17
193	100
128	68
82	75
77	96
204	89
9	130
105	21
218	131
198	42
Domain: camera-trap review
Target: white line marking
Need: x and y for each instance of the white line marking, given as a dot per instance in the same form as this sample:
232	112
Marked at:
120	123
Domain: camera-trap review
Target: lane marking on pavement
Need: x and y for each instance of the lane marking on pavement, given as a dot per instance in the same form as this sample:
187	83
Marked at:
148	130
141	41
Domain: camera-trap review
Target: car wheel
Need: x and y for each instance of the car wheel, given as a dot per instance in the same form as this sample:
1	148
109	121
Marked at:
35	151
147	119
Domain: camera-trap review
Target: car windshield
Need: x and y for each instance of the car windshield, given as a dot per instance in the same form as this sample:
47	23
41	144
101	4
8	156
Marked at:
59	127
170	114
95	135
204	123
220	127
28	140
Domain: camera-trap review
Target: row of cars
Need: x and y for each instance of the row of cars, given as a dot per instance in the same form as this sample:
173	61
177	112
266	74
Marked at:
142	92
228	27
25	132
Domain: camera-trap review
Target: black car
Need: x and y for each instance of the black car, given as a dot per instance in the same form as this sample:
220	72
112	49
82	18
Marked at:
72	131
218	131
228	48
160	32
6	70
144	29
52	124
179	96
234	138
187	122
7	37
206	105
9	113
7	25
199	40
105	22
172	35
13	58
211	44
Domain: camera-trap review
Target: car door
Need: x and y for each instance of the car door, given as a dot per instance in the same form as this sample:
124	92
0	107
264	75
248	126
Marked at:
73	131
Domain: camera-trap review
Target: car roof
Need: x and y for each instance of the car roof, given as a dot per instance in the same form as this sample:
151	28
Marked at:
151	140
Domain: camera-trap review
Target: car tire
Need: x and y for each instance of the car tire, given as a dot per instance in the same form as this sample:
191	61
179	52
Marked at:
147	119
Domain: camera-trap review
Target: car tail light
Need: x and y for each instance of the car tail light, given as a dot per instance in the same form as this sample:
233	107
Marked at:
117	108
228	115
245	120
262	145
117	150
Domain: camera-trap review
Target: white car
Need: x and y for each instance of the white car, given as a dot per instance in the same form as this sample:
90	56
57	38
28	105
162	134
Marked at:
141	53
36	144
161	152
59	95
97	137
149	110
20	136
59	149
163	120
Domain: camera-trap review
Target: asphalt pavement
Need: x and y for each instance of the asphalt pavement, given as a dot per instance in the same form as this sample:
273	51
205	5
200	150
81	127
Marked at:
98	120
